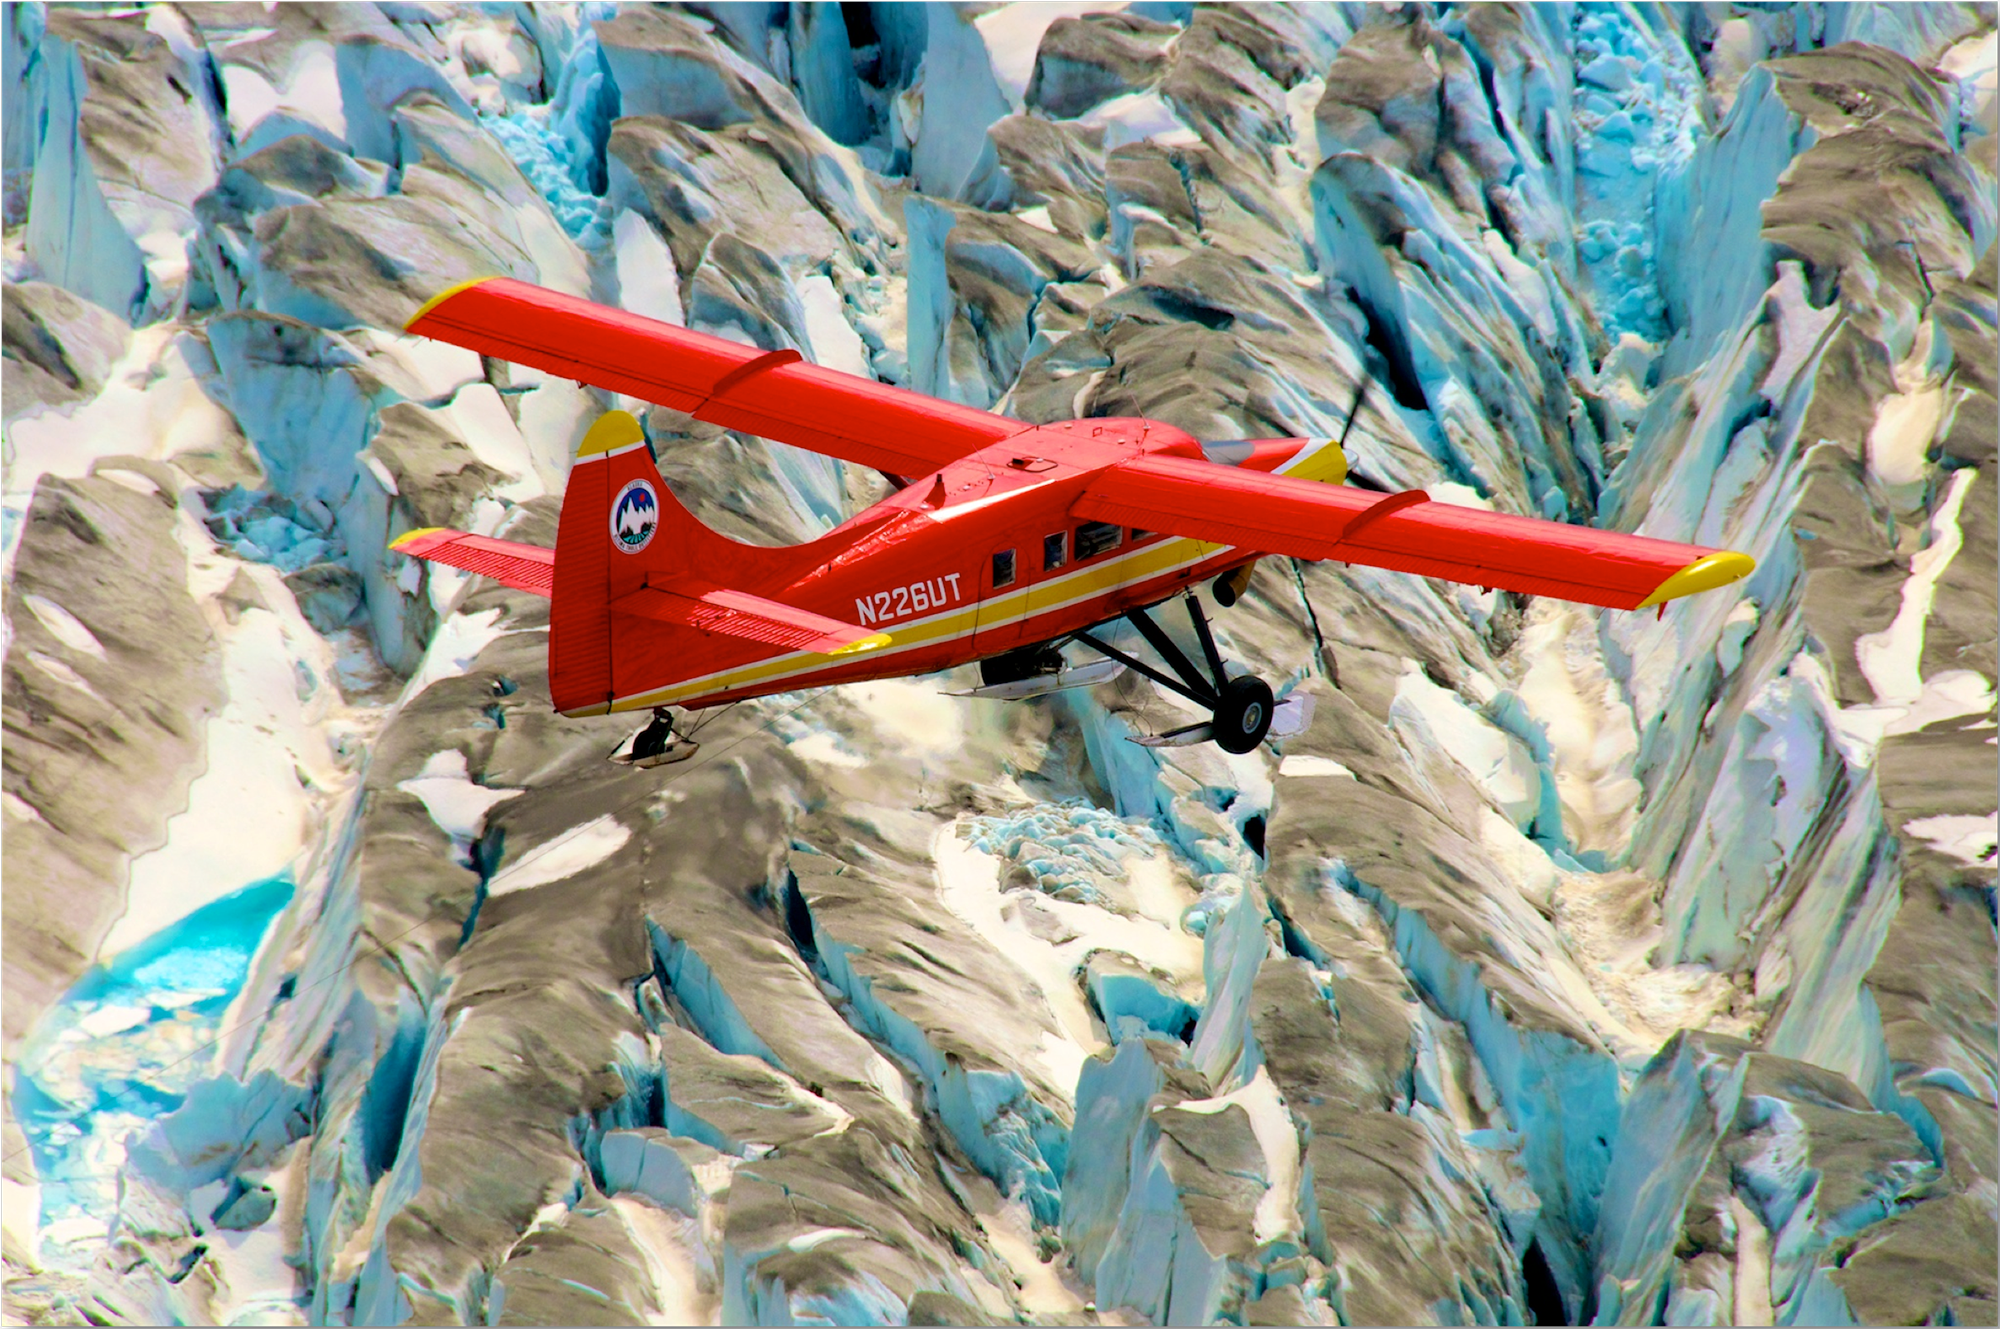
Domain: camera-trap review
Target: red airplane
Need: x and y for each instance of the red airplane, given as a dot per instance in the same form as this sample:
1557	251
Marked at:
1010	540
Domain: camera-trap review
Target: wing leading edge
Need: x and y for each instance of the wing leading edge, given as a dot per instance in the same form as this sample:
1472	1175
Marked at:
1404	532
771	394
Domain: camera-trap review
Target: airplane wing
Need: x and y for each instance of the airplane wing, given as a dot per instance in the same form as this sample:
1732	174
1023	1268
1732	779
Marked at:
529	568
740	614
1404	532
772	395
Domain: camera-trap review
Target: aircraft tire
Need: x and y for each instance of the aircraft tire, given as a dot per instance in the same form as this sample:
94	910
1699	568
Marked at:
1243	716
655	738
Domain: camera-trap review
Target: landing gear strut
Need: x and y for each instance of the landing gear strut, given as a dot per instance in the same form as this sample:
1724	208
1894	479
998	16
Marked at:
1241	708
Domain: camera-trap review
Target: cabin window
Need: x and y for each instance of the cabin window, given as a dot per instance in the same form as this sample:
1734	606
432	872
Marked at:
1003	569
1138	534
1094	537
1055	550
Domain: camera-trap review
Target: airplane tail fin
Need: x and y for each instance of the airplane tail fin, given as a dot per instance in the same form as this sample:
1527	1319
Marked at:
619	523
631	564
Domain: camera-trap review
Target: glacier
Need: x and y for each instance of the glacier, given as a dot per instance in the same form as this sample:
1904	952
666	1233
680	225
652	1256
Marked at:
1571	967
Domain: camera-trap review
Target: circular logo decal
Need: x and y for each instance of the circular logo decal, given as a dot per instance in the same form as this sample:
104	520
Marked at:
635	515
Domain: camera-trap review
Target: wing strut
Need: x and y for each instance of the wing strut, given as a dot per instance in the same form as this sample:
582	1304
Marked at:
1198	694
1242	711
1201	691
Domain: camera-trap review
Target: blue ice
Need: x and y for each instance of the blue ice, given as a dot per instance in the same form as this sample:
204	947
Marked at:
87	1077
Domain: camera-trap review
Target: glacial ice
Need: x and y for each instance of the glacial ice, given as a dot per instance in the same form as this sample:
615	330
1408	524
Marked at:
1498	763
959	96
544	156
127	1044
149	207
1563	1096
1006	1132
308	101
1565	278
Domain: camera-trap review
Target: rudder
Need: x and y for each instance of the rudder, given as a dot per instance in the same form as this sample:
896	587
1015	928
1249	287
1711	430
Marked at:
619	523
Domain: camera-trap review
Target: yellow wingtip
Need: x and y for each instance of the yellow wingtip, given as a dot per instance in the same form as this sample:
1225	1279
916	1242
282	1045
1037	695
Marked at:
1704	574
613	430
873	642
439	299
410	537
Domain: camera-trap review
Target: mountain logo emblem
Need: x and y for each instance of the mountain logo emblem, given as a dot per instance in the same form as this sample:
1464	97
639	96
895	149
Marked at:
635	515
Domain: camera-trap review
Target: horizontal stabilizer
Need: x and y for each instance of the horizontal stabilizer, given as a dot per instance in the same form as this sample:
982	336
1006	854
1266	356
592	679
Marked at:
529	568
710	608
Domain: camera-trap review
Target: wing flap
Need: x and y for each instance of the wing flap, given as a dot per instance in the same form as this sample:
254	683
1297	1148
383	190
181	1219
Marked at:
1283	515
750	617
770	394
529	568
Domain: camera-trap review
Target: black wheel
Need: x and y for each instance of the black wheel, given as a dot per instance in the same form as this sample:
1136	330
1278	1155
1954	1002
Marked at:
1243	716
655	737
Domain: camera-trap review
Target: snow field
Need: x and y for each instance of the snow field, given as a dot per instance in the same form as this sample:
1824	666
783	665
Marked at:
574	851
456	804
1889	658
152	406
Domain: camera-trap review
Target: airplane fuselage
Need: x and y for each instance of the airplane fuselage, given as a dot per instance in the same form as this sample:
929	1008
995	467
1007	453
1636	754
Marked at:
968	562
